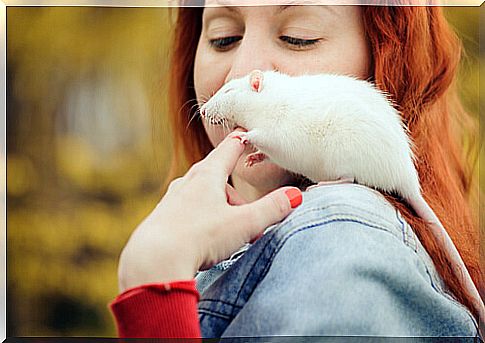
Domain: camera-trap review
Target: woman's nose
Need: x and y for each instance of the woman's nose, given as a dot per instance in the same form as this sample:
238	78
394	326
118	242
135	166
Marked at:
253	52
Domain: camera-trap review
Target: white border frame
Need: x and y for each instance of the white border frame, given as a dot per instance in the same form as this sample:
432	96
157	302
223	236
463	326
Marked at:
126	3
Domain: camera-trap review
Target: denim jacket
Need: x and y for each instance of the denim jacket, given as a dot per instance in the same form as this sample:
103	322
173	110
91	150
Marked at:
343	263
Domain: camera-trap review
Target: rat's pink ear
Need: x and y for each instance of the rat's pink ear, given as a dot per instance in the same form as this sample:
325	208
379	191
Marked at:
256	80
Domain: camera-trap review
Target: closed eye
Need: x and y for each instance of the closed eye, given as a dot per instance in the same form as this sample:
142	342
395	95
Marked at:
224	43
228	90
298	42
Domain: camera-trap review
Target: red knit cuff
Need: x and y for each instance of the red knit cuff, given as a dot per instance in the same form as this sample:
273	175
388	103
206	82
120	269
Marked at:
165	310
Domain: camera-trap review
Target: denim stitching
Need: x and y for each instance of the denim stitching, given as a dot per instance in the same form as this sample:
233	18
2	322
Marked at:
302	214
291	220
373	214
305	226
424	264
356	217
431	279
267	266
433	285
220	301
413	235
245	279
403	229
322	208
215	314
344	216
407	235
380	197
283	240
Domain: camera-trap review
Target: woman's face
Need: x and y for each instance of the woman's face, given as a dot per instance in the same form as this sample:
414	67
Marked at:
291	39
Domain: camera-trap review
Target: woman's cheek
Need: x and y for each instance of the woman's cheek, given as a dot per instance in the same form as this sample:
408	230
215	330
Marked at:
215	133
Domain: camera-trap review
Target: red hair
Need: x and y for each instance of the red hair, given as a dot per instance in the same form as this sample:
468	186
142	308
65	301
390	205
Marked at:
415	57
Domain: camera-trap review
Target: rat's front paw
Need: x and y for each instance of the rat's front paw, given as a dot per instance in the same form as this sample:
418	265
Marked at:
254	158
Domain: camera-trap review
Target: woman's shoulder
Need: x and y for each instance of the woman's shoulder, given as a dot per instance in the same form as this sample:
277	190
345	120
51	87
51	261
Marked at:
348	202
353	223
373	273
344	262
360	220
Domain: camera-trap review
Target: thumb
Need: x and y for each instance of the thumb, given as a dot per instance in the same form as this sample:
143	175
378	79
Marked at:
272	208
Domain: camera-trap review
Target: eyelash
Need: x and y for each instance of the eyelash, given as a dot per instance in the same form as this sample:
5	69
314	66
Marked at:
300	43
225	42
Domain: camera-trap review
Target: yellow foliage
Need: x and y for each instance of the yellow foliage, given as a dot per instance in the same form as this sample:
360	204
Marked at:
21	175
72	206
75	160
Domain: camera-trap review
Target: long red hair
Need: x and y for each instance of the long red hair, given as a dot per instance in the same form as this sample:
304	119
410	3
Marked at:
415	57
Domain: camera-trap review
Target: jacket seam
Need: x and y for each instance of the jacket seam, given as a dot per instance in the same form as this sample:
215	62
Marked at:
438	290
349	213
283	241
219	301
215	314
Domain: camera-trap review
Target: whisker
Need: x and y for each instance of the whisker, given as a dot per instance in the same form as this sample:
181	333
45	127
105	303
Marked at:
226	127
186	103
189	111
194	115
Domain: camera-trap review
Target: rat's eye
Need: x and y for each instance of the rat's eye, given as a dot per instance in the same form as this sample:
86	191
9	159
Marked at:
298	42
224	43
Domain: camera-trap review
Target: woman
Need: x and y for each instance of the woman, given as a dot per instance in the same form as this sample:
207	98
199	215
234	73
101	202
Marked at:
409	52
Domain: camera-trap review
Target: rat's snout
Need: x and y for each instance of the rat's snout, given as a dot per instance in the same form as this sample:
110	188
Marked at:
202	112
211	115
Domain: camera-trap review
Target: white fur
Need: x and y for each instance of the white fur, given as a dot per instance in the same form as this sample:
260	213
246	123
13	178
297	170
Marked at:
345	129
328	127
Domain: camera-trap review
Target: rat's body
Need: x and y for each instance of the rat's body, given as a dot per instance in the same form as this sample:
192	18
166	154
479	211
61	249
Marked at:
330	127
325	137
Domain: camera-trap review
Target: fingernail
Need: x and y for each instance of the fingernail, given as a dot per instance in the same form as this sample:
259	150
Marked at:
295	197
242	140
235	135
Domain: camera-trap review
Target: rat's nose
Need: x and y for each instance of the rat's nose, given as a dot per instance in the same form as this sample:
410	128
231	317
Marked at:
202	112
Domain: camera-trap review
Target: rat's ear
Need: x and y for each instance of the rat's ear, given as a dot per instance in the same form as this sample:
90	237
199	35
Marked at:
256	80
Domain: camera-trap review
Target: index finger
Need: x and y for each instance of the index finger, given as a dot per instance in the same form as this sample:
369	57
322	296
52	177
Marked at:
224	157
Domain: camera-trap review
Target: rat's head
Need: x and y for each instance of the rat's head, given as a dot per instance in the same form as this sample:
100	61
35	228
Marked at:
220	109
238	101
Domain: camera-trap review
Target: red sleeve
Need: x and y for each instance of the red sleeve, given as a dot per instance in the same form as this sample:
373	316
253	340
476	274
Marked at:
158	310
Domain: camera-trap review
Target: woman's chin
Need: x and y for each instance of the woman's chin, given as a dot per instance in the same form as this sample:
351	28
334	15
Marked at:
262	177
265	175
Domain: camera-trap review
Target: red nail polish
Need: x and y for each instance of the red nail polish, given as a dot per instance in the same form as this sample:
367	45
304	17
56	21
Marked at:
242	140
295	197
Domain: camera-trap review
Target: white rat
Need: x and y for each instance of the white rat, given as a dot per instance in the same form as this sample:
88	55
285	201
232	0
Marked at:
329	128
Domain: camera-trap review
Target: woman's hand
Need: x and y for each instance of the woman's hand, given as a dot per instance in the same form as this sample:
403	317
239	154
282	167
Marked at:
200	221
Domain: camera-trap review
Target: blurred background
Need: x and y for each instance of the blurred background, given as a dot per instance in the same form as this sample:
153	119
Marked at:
87	149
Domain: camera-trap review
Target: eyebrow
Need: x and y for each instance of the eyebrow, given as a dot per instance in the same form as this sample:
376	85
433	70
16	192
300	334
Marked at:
281	8
236	8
